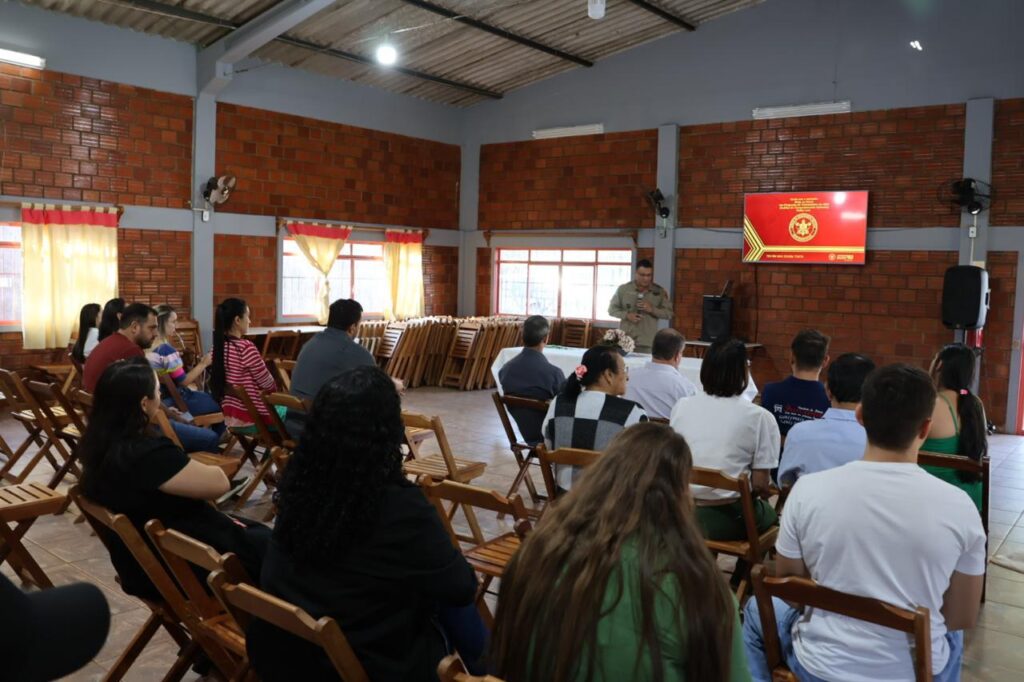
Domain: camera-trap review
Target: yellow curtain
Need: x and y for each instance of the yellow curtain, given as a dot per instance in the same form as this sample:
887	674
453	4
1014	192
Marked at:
320	244
69	259
403	261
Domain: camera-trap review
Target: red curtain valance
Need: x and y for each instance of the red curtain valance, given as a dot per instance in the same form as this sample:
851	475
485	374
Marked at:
403	237
318	230
99	216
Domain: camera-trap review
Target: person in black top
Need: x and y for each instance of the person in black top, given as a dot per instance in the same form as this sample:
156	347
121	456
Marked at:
356	541
531	375
800	396
132	472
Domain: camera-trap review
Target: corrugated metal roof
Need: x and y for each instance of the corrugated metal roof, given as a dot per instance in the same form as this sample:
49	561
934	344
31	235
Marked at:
428	43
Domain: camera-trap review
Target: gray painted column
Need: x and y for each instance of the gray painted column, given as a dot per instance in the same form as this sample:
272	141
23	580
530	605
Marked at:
469	201
664	232
978	134
204	155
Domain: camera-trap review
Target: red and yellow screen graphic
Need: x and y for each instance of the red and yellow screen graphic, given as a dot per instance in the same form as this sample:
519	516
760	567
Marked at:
805	227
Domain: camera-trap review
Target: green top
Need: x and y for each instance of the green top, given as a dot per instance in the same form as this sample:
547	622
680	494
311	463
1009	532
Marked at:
619	630
950	445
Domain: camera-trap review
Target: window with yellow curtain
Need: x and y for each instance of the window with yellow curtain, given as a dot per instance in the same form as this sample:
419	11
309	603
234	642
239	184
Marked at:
70	259
320	244
403	260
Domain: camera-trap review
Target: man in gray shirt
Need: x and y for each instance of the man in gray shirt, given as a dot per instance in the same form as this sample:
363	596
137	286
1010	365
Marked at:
531	375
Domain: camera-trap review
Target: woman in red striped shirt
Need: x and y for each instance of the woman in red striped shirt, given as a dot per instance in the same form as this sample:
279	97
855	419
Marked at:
237	361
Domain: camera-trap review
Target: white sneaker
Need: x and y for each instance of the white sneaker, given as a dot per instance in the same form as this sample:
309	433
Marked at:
237	486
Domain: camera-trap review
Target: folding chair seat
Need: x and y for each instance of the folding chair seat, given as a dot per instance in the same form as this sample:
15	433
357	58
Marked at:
524	453
573	457
805	592
20	505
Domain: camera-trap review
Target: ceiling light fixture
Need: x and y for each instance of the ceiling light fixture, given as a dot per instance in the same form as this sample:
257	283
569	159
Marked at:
568	131
916	44
387	54
816	109
595	9
22	59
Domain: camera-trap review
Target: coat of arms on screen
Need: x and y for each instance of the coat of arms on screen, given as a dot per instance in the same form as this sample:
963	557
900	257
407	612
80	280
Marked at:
803	227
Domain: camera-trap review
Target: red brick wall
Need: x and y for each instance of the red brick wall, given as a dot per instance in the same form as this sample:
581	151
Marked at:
888	309
902	156
246	267
589	181
155	267
1008	163
441	280
301	167
483	281
75	138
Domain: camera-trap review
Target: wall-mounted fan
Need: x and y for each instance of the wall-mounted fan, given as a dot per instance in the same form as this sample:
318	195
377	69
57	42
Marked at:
970	194
217	190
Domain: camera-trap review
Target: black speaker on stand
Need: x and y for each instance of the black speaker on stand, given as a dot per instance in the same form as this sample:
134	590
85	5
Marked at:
965	295
716	318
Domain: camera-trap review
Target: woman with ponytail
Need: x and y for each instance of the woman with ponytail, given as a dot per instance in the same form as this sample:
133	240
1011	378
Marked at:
237	361
590	409
959	426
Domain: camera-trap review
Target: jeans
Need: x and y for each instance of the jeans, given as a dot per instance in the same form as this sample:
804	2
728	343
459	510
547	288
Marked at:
465	632
785	616
199	403
196	438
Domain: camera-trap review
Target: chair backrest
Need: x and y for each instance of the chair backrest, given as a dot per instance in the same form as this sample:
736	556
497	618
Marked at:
281	344
389	342
274	399
82	399
807	592
14	391
713	478
576	457
267	437
38	398
51	395
502	403
575	333
189	340
419	421
247	603
439	492
163	424
282	370
960	463
172	391
451	669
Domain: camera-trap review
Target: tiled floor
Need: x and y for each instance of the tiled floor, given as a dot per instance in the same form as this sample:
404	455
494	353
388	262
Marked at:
994	651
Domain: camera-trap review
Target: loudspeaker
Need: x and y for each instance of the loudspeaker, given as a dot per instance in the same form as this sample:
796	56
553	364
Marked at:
965	297
716	319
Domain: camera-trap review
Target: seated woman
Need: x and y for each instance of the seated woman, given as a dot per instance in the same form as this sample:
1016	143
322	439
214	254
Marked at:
165	359
236	360
88	332
589	410
130	471
355	540
626	531
959	426
729	433
110	318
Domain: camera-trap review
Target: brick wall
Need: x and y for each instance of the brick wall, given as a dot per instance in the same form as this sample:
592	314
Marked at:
888	309
588	181
1008	163
301	167
68	137
904	157
441	280
155	267
483	281
246	267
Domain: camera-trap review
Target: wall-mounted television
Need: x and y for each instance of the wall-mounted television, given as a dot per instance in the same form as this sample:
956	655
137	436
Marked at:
805	227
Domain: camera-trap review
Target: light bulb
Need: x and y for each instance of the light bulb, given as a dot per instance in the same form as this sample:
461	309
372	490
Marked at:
595	9
386	54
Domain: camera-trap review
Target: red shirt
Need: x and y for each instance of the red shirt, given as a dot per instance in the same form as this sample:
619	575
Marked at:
245	368
111	349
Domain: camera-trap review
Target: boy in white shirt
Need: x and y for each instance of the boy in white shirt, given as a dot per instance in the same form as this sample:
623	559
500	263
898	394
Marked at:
880	527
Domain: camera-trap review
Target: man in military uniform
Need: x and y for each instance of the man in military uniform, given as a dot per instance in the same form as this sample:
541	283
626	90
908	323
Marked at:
640	304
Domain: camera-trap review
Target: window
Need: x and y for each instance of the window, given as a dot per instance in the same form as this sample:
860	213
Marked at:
10	275
560	282
358	273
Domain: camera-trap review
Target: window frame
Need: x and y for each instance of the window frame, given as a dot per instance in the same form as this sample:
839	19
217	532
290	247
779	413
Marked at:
13	325
281	318
561	263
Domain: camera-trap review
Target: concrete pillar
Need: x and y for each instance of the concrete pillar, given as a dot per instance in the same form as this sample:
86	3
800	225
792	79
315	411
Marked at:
204	153
668	182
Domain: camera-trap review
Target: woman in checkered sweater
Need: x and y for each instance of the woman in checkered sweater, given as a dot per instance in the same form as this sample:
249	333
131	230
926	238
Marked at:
590	409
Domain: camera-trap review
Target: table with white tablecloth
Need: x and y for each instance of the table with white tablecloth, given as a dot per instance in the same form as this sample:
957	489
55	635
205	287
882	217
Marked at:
566	359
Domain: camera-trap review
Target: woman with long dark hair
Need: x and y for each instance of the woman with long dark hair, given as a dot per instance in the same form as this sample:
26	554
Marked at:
590	409
356	541
131	471
616	583
110	318
237	361
959	426
88	332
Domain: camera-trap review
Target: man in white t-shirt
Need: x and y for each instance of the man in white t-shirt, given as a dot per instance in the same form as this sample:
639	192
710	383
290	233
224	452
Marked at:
884	528
658	385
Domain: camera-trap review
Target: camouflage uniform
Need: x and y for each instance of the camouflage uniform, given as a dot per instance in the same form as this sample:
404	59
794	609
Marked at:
625	302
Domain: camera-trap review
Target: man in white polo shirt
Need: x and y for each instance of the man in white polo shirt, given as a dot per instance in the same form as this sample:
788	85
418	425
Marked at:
884	528
658	385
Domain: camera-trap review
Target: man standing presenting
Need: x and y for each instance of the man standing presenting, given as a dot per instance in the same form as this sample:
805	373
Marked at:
640	304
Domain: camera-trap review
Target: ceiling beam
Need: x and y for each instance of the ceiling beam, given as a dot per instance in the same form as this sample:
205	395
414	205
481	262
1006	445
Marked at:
176	12
664	14
500	32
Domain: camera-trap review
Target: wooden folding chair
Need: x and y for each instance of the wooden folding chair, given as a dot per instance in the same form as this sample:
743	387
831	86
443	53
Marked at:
21	504
273	399
182	554
806	592
443	466
524	453
66	425
751	550
170	611
490	557
282	371
451	669
43	421
264	437
281	344
389	343
575	333
247	603
171	388
460	355
980	469
65	375
574	457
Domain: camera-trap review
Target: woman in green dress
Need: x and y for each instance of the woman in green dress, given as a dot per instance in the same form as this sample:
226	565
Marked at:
958	423
616	584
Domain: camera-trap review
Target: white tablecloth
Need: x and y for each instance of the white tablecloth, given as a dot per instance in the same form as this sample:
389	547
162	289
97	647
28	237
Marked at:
566	360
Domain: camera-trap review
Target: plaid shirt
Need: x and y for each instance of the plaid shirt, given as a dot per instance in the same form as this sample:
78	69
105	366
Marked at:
589	422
